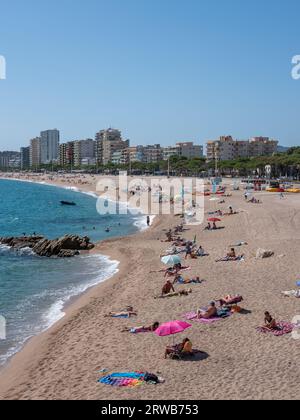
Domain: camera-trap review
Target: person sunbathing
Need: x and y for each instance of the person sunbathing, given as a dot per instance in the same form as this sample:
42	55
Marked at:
136	330
270	322
186	347
208	227
168	287
230	300
211	312
232	254
200	252
179	279
126	313
175	294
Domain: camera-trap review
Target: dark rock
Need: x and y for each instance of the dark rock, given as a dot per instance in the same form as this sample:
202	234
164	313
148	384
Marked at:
66	247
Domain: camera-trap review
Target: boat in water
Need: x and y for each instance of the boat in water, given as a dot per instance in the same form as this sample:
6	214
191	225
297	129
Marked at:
68	203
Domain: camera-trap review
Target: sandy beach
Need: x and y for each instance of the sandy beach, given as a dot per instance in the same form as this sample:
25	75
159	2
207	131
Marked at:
64	362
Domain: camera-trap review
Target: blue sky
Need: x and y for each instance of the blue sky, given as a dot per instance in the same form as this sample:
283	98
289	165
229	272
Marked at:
160	70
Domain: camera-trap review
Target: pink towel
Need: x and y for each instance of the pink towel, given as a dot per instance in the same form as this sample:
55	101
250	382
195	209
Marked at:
283	328
192	316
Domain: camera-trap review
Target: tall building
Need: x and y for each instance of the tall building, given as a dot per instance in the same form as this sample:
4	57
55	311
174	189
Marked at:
107	143
66	154
226	148
35	152
25	158
49	146
84	152
9	159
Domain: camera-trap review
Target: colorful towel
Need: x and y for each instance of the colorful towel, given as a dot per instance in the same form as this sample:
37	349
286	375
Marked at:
129	379
283	328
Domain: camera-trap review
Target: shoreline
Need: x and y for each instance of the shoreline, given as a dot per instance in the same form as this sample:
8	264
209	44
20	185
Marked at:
72	299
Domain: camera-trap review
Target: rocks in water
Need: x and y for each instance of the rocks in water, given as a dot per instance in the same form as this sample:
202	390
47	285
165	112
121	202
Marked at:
66	247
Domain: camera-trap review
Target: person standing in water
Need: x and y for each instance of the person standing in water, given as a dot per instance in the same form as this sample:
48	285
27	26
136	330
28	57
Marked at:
148	221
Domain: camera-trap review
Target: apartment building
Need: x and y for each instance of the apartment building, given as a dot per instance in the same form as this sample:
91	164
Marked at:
35	152
107	143
226	148
84	152
24	158
183	149
66	154
49	146
10	159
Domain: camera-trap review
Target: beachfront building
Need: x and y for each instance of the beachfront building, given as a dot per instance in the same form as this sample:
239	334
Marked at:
183	149
107	143
35	152
24	158
226	148
84	152
66	154
153	153
49	146
10	159
262	146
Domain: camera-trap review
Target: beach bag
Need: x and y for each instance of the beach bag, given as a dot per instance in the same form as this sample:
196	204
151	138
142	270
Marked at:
150	377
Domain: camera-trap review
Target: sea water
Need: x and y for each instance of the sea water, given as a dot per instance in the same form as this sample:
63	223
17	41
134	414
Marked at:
35	290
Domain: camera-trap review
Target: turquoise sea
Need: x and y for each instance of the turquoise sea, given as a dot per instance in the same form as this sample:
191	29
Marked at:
35	290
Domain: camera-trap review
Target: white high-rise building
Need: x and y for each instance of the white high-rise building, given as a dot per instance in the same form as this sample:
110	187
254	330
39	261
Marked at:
49	146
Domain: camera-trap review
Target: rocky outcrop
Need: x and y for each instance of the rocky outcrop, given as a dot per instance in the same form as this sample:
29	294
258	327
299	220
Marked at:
66	247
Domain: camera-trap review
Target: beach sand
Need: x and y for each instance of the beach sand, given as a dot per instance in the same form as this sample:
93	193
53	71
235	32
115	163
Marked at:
63	362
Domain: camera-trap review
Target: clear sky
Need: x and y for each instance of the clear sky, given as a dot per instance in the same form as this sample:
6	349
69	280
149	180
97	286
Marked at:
160	70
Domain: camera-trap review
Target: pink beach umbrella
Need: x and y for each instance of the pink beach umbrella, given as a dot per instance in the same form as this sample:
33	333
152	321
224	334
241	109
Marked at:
171	328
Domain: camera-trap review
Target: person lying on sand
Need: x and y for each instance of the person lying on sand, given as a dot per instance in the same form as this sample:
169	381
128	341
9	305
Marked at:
211	312
136	330
242	243
179	279
127	313
175	294
186	347
230	300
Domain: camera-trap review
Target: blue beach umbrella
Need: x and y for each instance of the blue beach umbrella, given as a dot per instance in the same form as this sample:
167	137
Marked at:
171	260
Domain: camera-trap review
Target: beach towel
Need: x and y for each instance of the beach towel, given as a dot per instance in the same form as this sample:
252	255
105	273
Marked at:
226	259
120	316
192	316
283	328
292	293
139	330
129	379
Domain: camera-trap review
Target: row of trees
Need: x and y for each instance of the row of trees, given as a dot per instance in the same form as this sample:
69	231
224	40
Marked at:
282	164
